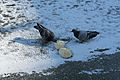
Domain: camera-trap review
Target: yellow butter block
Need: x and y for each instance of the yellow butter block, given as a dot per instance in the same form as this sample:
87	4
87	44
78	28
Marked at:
60	44
65	53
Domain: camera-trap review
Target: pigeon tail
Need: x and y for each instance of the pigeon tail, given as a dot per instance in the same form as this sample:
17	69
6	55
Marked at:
92	34
41	26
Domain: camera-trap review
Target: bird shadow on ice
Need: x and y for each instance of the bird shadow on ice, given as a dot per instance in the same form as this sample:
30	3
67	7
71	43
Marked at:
29	42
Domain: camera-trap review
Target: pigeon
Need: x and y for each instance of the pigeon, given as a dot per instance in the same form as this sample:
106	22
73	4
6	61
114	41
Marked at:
45	33
84	35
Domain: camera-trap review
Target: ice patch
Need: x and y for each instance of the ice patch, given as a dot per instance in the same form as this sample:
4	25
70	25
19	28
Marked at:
21	49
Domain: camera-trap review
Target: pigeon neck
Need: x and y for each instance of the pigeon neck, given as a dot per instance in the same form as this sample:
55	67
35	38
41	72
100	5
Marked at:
76	33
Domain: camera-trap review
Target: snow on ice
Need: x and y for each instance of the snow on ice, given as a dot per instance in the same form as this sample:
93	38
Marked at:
20	46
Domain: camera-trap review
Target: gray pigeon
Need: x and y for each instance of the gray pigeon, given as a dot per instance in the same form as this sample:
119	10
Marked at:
84	35
45	33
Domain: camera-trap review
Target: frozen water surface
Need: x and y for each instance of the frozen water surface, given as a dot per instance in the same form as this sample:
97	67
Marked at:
20	45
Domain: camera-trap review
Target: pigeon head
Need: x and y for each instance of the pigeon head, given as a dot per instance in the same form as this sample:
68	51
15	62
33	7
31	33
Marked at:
73	30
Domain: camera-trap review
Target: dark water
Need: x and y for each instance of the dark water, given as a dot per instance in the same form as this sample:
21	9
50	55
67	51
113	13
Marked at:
102	67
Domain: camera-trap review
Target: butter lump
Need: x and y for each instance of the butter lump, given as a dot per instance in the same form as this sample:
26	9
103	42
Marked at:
60	44
65	53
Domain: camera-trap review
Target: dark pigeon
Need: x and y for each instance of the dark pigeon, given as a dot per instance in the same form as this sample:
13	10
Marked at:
45	33
84	35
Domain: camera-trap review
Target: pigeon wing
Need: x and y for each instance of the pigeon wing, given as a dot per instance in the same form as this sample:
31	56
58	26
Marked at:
82	36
